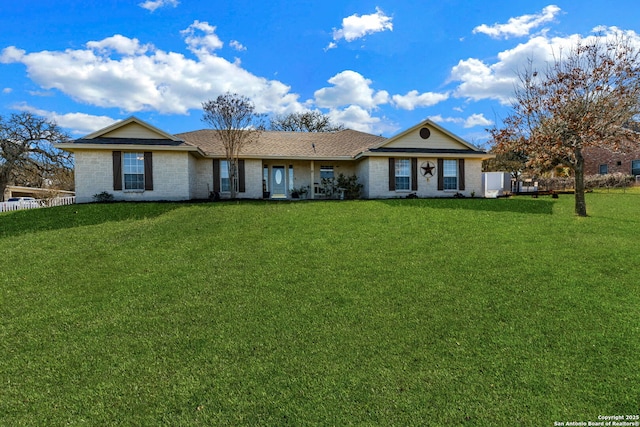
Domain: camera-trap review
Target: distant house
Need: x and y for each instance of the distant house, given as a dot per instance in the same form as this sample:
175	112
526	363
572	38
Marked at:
136	161
600	161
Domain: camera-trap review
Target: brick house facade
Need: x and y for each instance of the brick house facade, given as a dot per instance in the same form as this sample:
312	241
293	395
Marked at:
600	161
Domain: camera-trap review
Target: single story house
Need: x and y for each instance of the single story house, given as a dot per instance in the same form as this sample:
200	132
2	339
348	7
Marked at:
135	161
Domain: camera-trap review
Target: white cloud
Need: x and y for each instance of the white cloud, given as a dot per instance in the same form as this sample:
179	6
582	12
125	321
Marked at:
7	90
414	99
149	79
77	123
357	118
201	44
152	5
519	26
237	45
12	54
471	121
41	93
119	44
330	46
477	120
350	88
355	27
481	80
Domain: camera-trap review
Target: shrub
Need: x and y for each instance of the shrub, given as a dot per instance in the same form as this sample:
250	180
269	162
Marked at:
103	197
348	184
351	186
613	180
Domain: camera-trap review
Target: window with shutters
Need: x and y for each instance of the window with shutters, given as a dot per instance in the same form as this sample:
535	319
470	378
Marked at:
225	181
403	174
450	174
133	170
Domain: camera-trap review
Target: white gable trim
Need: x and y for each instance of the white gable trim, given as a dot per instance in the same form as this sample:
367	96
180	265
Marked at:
425	123
125	122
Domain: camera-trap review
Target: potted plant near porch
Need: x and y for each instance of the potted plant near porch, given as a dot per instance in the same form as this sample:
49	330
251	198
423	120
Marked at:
299	193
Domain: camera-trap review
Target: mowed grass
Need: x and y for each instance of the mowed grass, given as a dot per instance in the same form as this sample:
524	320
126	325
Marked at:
400	312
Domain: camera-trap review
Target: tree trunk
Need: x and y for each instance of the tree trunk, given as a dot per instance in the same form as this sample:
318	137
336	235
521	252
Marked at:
4	180
233	174
581	203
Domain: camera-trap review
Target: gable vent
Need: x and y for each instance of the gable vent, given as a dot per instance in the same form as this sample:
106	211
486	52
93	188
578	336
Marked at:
425	133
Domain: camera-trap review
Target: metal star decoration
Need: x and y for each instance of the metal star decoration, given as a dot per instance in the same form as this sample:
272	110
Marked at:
427	169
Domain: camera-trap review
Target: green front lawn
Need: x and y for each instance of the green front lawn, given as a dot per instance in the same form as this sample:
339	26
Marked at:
400	312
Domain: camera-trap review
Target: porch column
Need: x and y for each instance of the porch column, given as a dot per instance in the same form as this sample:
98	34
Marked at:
311	186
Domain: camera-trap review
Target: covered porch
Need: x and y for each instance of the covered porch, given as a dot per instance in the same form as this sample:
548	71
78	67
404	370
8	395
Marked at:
303	179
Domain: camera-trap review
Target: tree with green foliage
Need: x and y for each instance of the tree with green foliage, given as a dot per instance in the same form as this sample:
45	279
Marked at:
588	97
234	119
27	153
308	121
513	162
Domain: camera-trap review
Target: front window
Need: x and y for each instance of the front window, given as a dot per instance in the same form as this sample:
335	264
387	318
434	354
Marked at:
450	174
133	171
224	177
225	181
604	169
635	167
290	177
326	172
403	174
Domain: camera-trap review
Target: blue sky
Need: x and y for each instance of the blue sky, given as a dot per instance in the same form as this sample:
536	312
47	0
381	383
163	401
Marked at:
377	66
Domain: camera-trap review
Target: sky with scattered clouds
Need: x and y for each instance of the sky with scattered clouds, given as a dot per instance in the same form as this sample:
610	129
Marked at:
376	66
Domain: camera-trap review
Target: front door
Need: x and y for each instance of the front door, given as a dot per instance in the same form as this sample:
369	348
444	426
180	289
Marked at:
278	183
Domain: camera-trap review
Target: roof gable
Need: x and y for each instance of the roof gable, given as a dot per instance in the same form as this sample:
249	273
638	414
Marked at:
426	135
132	128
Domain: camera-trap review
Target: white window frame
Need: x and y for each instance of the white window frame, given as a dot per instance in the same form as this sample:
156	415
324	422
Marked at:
326	172
450	175
291	178
132	166
402	174
225	187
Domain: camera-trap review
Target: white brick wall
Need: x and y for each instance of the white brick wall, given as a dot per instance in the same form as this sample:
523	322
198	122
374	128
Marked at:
94	174
252	179
378	180
180	176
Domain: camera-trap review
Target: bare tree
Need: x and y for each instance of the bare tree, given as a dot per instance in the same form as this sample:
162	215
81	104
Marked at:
27	153
308	121
236	123
590	97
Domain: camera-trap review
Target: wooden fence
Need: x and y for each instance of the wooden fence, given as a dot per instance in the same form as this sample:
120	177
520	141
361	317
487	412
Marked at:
39	203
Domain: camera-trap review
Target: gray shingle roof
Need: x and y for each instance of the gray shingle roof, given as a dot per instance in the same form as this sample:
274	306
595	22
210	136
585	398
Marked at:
345	143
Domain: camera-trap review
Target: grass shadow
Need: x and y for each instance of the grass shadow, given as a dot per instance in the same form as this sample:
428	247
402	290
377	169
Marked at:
64	217
529	205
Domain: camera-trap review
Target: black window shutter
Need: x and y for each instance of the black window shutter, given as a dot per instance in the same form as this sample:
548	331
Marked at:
440	175
414	174
148	171
216	175
241	186
461	174
117	170
392	174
